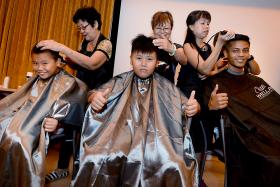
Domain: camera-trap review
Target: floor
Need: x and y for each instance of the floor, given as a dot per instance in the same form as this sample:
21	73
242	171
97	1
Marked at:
213	174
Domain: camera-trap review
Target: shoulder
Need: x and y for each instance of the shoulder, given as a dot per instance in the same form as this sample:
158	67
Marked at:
165	85
106	47
67	78
123	77
187	45
218	78
189	48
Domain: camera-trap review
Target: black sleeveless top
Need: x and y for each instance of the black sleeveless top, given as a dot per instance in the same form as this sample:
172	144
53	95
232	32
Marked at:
168	64
189	79
95	78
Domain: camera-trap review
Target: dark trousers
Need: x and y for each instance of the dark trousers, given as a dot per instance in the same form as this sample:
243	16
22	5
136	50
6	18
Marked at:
66	148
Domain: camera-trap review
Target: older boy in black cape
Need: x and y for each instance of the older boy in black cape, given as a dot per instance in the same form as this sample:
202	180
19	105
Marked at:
252	122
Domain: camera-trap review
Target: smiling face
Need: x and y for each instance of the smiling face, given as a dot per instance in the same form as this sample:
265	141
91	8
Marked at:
88	31
143	64
45	65
201	28
237	53
162	30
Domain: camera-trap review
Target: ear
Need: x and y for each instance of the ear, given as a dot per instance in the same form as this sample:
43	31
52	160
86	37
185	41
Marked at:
191	27
95	25
157	63
59	63
130	59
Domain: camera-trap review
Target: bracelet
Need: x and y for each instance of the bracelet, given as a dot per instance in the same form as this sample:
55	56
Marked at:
172	53
250	59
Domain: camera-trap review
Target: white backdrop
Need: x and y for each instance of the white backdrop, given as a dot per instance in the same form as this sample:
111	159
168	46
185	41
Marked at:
257	18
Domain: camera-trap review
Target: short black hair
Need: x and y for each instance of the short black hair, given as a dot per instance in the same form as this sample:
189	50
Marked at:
54	54
144	44
238	37
89	14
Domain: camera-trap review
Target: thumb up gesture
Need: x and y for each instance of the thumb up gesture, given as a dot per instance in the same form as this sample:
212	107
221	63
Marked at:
192	106
217	100
99	99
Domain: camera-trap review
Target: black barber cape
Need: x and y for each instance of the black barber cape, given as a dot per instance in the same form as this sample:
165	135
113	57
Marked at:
252	129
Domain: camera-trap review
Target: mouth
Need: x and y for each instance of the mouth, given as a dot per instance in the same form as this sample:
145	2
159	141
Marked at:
41	73
143	70
241	60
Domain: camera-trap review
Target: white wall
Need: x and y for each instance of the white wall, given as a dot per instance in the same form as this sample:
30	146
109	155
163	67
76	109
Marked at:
259	19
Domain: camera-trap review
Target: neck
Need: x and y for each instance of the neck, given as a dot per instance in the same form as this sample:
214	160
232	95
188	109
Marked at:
199	42
96	37
235	71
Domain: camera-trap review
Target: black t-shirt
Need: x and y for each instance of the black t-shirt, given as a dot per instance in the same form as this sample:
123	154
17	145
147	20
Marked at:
168	64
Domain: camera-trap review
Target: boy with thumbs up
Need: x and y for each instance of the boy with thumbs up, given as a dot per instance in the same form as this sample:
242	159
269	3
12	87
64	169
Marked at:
135	131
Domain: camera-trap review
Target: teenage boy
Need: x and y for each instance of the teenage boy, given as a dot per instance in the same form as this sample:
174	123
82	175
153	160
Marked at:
251	111
28	116
135	131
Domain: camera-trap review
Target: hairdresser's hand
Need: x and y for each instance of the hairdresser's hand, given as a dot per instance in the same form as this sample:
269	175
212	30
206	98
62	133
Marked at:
163	43
222	62
50	44
192	106
217	100
228	36
50	124
99	100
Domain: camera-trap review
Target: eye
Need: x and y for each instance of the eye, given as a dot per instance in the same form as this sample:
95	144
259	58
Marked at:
150	58
246	50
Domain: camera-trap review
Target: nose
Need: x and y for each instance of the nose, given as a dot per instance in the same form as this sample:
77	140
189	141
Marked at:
241	53
144	62
40	66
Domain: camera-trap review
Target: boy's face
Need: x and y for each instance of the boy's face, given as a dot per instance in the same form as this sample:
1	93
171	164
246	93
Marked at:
45	65
143	64
237	53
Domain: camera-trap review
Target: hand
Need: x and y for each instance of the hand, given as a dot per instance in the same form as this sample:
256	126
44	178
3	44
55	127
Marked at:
222	62
50	124
228	36
163	43
50	44
217	101
99	100
192	106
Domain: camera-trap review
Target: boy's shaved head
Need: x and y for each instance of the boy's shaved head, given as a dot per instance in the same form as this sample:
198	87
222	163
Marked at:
238	37
143	44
